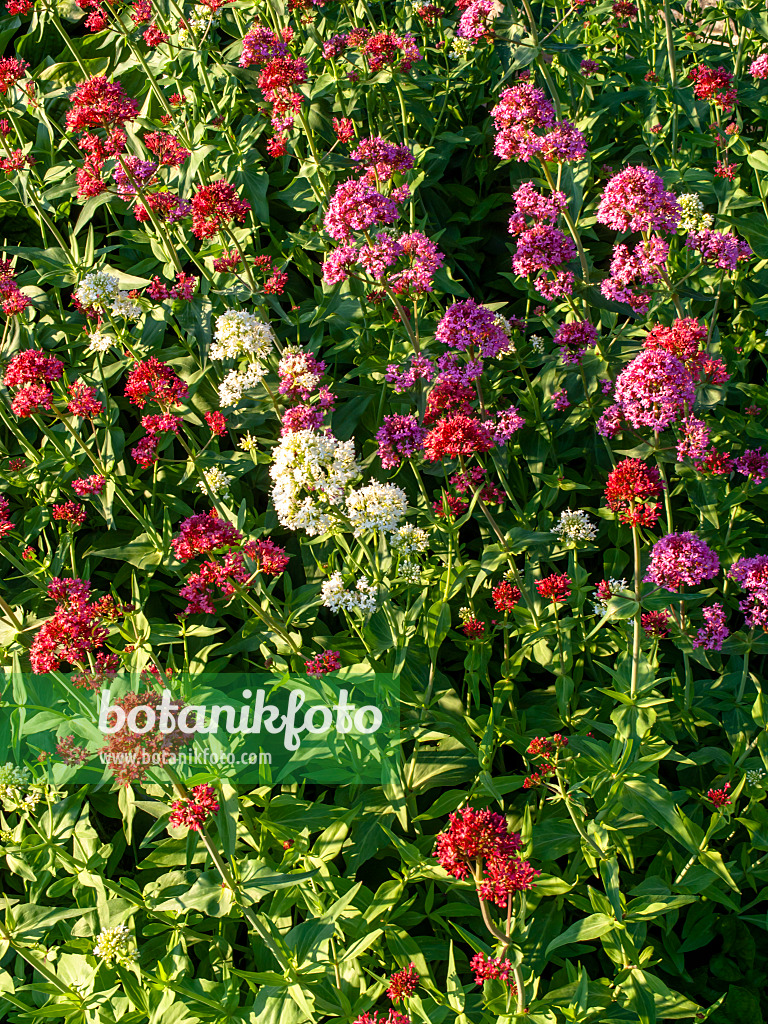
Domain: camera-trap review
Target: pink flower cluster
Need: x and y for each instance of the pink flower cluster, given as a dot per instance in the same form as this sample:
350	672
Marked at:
714	632
654	390
635	200
521	112
129	751
720	249
465	325
752	575
12	299
681	559
635	271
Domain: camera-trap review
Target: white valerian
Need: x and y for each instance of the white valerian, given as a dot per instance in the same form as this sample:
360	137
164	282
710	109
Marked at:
693	217
337	597
239	333
376	506
113	944
312	474
574	527
218	481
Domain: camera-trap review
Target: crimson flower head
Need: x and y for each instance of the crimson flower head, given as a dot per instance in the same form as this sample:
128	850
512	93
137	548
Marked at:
132	748
99	103
11	70
631	491
457	435
203	533
491	968
269	557
505	596
32	367
403	983
504	876
154	381
214	205
554	588
473	835
655	624
321	664
191	813
719	797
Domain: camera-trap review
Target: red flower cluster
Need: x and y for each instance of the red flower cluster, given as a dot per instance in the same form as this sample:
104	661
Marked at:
685	340
715	86
457	435
321	664
13	300
631	490
490	969
192	813
473	836
72	633
203	533
99	103
554	588
719	797
403	983
31	371
83	401
11	71
6	526
69	512
655	624
505	596
547	750
214	205
154	381
269	557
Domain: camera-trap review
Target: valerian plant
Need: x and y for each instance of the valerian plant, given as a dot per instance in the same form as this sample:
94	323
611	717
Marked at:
416	339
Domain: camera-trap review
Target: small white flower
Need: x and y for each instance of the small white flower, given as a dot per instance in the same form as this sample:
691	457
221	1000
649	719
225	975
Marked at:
335	596
537	343
15	776
693	217
460	47
97	290
755	776
376	507
113	944
239	333
408	540
237	381
218	481
127	307
410	571
248	443
575	527
98	342
312	476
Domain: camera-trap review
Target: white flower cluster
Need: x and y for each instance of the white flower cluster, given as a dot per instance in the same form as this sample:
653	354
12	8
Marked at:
755	776
237	381
112	944
693	216
407	541
376	507
615	586
335	596
14	776
98	342
239	333
248	443
312	474
100	290
574	527
537	343
460	47
218	481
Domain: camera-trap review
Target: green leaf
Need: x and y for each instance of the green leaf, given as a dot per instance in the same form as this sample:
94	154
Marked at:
591	927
